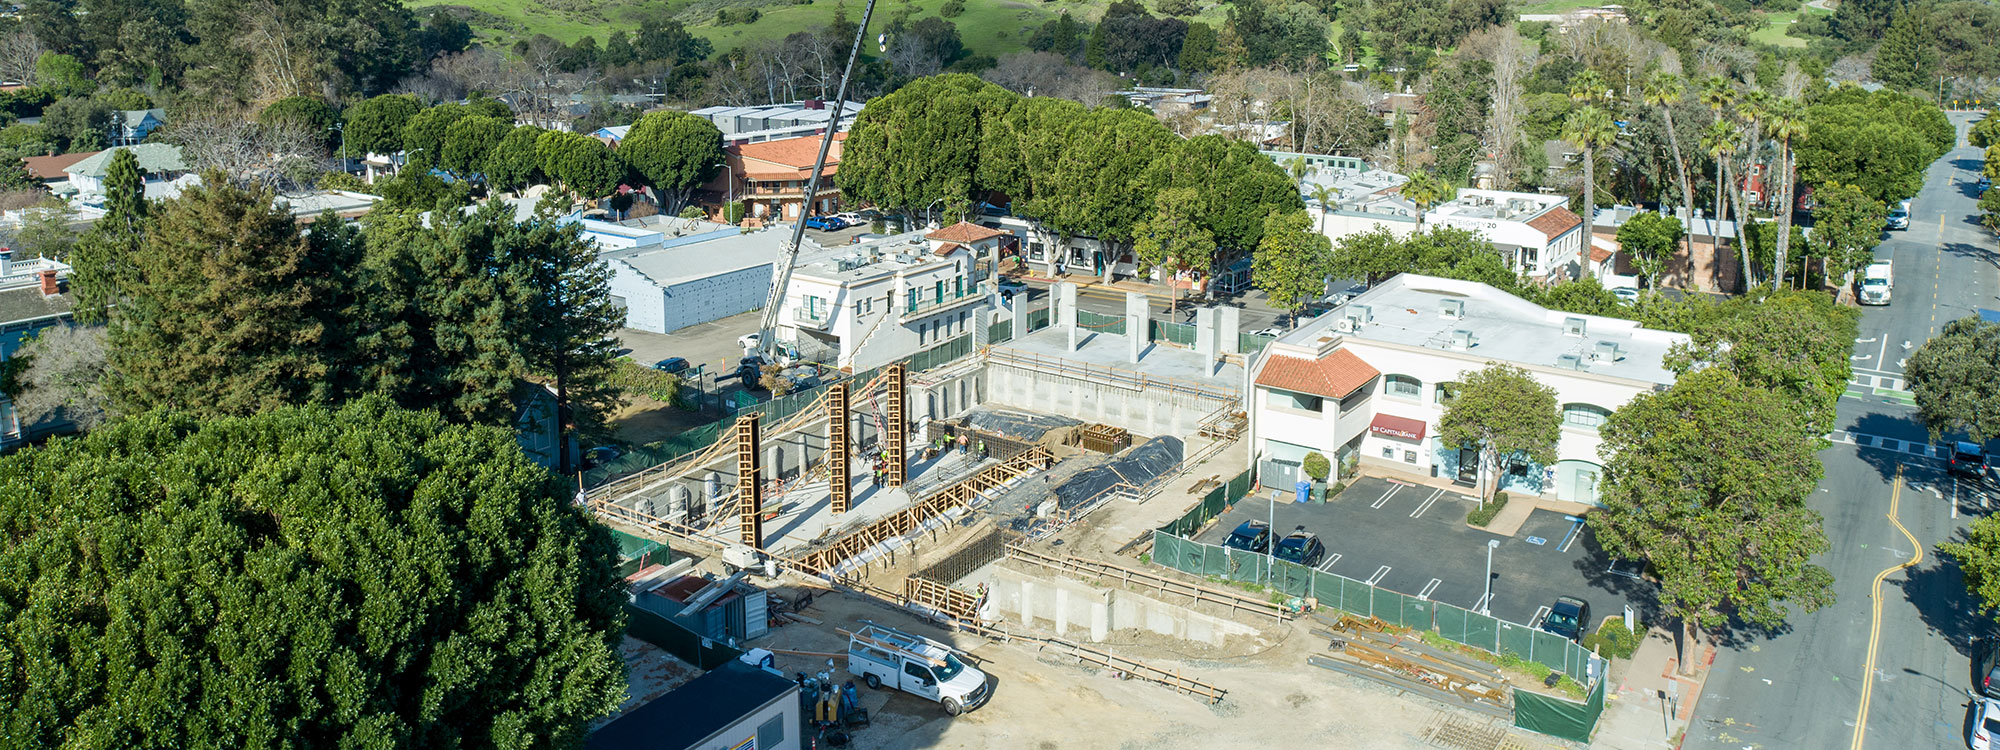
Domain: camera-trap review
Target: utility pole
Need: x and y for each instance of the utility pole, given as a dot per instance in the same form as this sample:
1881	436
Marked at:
1486	603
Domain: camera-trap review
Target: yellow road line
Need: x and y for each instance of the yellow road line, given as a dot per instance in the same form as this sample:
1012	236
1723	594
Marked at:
1875	599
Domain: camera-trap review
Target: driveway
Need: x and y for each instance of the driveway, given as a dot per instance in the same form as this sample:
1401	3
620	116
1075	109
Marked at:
1413	540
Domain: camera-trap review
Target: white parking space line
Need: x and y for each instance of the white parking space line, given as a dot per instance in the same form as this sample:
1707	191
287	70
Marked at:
1481	606
1330	560
1575	530
1384	499
1428	588
1426	504
1541	613
1379	573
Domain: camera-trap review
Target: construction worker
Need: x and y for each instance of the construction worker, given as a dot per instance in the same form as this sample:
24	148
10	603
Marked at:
982	449
963	442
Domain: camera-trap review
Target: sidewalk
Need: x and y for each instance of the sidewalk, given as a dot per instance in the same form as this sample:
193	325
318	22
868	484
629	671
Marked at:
1643	689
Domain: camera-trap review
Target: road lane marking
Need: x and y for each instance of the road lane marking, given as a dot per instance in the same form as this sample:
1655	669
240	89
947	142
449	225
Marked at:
1330	560
1379	572
1428	588
1427	503
1384	499
1875	602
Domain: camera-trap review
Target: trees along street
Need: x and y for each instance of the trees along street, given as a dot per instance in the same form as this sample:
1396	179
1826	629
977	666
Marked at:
1505	412
1804	686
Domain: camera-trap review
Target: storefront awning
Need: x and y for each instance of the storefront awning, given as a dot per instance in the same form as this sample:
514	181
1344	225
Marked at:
1400	428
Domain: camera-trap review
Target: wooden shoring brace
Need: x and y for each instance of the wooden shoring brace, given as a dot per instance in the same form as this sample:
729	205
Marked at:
749	490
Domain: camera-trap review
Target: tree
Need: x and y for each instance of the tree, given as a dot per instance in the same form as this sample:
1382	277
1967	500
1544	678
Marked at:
1908	52
469	144
64	377
102	266
1881	141
1649	240
1847	224
1791	343
1706	481
1665	90
1426	190
513	163
308	114
920	146
1291	261
1986	132
1505	413
375	126
313	566
45	230
579	162
1590	129
426	132
566	322
1955	378
63	76
1328	200
223	312
1785	123
82	124
1171	238
675	152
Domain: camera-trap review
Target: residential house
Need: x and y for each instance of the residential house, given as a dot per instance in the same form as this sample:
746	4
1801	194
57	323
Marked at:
1537	234
733	706
1166	101
159	162
131	126
52	170
770	179
34	295
1369	382
880	301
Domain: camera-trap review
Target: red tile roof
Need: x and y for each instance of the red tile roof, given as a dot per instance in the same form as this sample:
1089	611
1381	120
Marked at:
1333	376
1599	255
947	249
965	232
788	157
51	167
1554	223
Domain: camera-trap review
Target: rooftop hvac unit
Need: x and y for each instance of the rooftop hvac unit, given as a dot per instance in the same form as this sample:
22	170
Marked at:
1569	362
1573	327
1453	309
1462	340
1357	315
1344	325
1606	351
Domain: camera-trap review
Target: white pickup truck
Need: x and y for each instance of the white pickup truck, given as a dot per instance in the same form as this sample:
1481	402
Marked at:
1876	283
916	665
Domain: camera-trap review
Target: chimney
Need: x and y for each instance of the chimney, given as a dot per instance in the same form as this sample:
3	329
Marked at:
50	286
6	261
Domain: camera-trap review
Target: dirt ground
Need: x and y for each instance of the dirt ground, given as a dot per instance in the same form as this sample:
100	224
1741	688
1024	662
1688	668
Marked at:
1046	701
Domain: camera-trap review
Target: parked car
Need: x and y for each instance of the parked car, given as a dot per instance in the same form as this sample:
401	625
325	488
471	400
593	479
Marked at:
601	455
1899	218
1250	536
1302	547
851	217
749	340
1011	287
671	365
1989	669
1967	460
1987	726
1568	617
826	223
1984	183
1626	295
1273	332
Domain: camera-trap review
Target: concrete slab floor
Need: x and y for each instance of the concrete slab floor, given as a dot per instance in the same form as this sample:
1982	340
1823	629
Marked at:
808	512
1112	350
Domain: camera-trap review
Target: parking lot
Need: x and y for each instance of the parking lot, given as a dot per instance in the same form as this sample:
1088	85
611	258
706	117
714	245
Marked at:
1413	539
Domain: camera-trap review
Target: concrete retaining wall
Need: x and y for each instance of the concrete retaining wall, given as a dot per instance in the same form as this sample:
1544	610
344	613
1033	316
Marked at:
1144	413
1073	609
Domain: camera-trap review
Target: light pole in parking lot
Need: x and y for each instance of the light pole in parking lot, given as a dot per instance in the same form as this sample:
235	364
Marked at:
1486	602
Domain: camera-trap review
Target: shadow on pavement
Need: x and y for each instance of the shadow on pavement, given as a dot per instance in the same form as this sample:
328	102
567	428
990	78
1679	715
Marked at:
1973	252
1936	588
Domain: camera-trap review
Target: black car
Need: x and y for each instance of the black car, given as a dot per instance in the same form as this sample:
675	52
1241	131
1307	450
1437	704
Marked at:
1301	547
671	365
1252	536
1967	460
601	455
1568	617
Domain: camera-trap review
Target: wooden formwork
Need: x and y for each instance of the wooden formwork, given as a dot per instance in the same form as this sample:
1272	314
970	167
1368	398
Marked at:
837	449
1103	438
895	435
749	486
823	560
952	602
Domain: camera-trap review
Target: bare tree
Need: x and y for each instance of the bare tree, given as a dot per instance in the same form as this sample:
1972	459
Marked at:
910	59
65	377
18	53
1049	74
282	156
283	67
1852	68
1512	57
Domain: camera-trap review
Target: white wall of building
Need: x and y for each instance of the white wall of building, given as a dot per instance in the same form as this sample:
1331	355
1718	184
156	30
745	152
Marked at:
869	319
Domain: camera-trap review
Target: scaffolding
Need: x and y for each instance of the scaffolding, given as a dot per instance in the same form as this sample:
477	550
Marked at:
749	491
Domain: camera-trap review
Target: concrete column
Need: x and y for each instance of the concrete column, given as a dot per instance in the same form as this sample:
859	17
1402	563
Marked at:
1027	604
1020	312
1062	611
1065	310
1228	324
1100	621
1204	332
1137	312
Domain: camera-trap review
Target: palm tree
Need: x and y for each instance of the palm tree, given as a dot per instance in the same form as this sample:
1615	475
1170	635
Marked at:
1664	90
1425	190
1590	129
1587	87
1324	196
1787	121
1298	170
1750	109
1720	142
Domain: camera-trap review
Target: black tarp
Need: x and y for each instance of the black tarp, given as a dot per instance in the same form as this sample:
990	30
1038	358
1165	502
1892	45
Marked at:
1134	467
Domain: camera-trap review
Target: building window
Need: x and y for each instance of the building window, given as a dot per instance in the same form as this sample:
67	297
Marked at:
1034	251
1299	401
1584	416
1389	452
961	322
771	733
1403	386
940	290
1409	457
1444	393
958	286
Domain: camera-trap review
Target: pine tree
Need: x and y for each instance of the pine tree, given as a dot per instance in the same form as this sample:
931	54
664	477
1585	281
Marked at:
1907	54
103	256
565	321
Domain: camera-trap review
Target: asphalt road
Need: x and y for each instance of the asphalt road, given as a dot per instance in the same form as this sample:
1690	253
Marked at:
1811	685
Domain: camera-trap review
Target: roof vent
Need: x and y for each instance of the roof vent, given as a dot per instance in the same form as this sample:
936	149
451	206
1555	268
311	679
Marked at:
1573	327
1570	362
1452	309
1606	351
1358	315
1463	340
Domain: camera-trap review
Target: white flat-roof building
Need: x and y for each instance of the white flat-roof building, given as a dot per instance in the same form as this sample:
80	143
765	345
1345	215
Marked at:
1537	234
877	302
811	114
1364	200
669	283
1371	380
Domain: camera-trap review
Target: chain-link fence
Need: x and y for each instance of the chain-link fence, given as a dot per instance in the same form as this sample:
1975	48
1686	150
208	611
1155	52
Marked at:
1251	343
1177	333
1100	323
1211	505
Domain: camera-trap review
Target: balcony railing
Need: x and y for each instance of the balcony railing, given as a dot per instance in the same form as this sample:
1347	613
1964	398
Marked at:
928	301
811	318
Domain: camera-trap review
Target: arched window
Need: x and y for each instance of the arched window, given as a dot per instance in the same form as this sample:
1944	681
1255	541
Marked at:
1584	416
1403	386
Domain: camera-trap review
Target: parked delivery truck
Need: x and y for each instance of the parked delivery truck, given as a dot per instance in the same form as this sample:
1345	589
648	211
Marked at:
1876	283
916	665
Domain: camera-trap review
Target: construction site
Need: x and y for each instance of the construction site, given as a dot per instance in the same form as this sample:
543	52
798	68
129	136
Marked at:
1008	502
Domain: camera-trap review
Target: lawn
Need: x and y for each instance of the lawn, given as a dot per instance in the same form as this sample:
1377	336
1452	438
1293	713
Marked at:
1773	32
1556	6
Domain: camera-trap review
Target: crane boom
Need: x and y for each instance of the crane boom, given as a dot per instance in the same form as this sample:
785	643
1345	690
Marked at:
781	268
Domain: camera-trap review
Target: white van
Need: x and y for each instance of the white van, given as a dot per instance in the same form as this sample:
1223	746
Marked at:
916	665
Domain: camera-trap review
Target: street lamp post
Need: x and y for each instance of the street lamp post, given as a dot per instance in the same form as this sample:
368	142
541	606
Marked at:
341	128
1486	602
1271	541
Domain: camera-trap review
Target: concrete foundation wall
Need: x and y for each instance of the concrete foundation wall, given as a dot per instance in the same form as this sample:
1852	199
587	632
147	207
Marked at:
1074	609
1144	413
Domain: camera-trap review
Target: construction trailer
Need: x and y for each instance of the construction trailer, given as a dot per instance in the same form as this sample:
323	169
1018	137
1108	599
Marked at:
729	610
